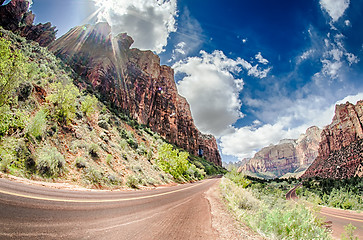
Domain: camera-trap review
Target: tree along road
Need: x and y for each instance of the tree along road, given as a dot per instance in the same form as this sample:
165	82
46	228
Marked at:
34	212
336	218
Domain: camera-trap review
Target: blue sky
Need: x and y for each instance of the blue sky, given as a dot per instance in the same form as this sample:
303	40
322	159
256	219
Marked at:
254	72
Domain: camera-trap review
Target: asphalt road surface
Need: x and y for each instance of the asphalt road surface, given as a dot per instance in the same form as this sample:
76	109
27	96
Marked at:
337	218
34	212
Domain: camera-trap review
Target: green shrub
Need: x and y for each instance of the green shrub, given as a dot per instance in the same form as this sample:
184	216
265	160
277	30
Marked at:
349	233
63	98
81	162
8	154
238	178
50	163
129	137
11	121
123	144
141	150
93	150
12	70
88	105
94	175
174	162
132	182
109	159
38	124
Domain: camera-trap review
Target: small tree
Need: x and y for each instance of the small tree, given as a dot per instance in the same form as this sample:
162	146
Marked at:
88	105
12	70
38	124
174	162
64	99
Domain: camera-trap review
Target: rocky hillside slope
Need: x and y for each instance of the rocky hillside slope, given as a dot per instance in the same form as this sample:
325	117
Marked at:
53	130
289	156
134	82
16	17
341	146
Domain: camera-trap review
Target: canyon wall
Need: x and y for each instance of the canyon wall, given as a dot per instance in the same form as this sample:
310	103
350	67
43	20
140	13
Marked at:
134	82
341	146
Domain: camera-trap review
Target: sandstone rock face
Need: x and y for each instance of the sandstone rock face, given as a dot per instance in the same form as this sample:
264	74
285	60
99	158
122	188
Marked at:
134	82
307	147
288	156
16	17
341	149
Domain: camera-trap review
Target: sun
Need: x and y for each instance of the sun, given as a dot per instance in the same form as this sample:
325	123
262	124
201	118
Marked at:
103	4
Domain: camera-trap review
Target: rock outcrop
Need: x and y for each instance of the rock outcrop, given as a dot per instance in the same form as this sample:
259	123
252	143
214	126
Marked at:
341	146
16	17
288	156
134	82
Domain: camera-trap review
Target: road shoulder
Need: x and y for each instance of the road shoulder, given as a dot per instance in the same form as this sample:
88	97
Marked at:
223	221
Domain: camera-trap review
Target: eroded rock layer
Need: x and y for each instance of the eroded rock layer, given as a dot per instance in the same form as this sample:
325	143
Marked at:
341	146
135	82
16	17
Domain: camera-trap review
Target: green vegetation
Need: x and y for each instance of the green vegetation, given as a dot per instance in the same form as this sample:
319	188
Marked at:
267	212
339	193
12	70
49	128
50	163
176	163
88	105
38	125
132	182
63	99
11	120
349	233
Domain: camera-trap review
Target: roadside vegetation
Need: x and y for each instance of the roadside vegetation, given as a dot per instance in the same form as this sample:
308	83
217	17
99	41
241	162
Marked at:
262	206
338	193
51	130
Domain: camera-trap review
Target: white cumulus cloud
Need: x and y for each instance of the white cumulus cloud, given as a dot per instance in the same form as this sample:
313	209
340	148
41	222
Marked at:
148	22
212	85
335	8
212	90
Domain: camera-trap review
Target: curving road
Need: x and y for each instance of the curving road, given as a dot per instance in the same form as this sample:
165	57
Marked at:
336	218
33	212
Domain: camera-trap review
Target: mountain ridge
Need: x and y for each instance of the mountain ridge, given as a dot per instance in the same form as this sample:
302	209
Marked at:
288	156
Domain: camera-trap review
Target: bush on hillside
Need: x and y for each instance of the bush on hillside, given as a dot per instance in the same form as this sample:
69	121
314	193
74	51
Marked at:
37	125
11	120
50	163
12	70
63	99
88	105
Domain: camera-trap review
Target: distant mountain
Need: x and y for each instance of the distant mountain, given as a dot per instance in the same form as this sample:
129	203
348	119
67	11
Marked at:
288	156
230	165
341	146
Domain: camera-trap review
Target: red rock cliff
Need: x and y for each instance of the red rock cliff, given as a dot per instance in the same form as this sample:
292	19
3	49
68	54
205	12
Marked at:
341	146
133	81
16	17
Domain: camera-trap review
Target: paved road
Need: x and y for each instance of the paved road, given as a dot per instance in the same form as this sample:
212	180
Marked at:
337	218
32	212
